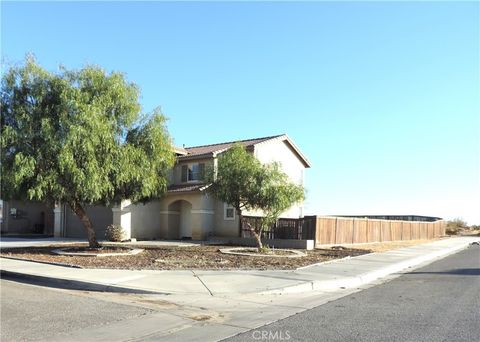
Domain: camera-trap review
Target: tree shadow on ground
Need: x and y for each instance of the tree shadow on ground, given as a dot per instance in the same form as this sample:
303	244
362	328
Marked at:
456	271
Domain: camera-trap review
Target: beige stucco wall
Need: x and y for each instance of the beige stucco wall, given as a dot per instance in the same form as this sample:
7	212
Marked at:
145	220
224	228
186	215
173	217
180	219
207	214
185	225
197	199
280	151
202	225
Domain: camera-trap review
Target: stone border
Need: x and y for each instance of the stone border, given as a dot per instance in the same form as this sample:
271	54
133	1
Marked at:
251	242
232	251
62	251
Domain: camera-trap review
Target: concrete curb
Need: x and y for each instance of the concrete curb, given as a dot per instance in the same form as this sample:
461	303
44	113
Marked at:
324	263
42	262
350	282
64	251
235	251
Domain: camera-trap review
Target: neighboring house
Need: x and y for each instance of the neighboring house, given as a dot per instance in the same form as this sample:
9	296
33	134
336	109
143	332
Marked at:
415	218
187	210
30	217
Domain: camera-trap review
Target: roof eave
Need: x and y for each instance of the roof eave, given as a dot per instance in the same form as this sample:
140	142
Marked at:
301	156
296	150
197	156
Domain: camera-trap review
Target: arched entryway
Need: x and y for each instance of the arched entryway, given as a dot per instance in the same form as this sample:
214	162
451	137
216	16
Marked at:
180	220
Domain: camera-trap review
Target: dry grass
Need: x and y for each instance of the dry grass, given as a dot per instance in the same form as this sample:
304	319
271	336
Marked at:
470	232
378	247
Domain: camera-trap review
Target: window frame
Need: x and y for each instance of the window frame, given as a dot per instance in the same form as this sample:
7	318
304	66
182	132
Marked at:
189	171
226	207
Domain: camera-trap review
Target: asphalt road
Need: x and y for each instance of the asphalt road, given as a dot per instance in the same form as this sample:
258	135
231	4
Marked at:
439	302
35	313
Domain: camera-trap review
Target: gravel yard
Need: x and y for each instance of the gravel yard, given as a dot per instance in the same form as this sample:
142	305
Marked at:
181	258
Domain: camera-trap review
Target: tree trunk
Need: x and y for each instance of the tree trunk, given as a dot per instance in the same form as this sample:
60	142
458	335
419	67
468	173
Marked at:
252	230
256	235
240	223
87	224
258	239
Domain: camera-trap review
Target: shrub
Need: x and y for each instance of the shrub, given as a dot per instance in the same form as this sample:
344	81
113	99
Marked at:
114	233
452	231
265	249
455	226
457	223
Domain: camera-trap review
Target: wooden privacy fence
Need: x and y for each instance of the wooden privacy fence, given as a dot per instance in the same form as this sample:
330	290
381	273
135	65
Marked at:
327	230
339	230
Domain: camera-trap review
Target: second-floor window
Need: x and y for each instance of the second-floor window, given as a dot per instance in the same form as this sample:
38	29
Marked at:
193	172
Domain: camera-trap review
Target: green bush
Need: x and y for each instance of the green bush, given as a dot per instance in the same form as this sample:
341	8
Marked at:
114	233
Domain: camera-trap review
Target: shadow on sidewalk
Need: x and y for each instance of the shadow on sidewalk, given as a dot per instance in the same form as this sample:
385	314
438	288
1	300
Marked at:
66	284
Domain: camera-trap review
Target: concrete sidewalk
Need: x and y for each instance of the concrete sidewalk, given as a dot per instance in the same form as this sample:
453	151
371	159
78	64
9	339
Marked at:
344	273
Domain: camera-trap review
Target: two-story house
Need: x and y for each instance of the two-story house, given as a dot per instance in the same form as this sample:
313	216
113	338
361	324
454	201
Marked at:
186	210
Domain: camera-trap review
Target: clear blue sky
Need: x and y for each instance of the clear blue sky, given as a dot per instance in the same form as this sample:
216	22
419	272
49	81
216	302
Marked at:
382	97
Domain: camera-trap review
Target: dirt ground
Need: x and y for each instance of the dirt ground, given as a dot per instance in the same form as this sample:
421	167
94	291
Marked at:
469	232
181	258
202	257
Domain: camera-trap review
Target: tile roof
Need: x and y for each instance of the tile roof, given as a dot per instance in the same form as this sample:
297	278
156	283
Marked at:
215	148
179	150
208	151
186	188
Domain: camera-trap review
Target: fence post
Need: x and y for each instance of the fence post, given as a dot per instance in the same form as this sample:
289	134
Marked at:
353	230
392	237
299	229
368	230
335	230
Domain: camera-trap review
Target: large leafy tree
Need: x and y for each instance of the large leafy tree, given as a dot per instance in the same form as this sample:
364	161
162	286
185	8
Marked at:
243	182
79	137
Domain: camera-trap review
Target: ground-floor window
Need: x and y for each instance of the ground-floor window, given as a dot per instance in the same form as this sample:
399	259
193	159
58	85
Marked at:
228	212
